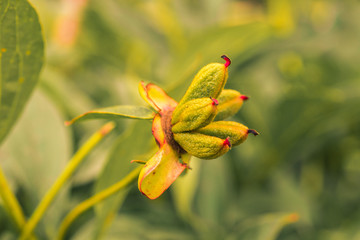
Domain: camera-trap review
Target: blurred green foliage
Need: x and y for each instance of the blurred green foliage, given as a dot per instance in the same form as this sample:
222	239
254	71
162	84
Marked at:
297	60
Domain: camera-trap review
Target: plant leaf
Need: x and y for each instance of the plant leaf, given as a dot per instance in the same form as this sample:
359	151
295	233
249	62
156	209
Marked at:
264	227
34	155
135	143
184	190
214	190
250	39
133	227
21	58
116	112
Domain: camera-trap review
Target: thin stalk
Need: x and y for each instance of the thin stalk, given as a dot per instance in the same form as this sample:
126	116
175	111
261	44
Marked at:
85	205
11	204
61	180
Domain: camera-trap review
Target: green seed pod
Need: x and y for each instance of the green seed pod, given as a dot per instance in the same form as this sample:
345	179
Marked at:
235	132
208	82
194	114
230	102
202	146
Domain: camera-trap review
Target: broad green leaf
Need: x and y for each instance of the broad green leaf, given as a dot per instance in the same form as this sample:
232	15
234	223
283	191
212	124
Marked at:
35	154
116	112
21	58
134	144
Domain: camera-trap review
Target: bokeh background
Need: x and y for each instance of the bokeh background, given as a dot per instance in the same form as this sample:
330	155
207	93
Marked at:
298	61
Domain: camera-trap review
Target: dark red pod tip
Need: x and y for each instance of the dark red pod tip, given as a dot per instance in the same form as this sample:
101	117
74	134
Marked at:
253	132
227	142
228	61
244	98
214	101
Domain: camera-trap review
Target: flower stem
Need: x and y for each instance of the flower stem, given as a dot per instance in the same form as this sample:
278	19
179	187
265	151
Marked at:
61	180
10	202
90	202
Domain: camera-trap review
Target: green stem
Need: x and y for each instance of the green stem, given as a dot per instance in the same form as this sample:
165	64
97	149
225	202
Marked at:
11	204
85	205
61	180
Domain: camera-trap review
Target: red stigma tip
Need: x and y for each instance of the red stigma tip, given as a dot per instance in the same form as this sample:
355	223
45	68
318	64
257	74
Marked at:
214	101
253	132
228	61
227	142
244	98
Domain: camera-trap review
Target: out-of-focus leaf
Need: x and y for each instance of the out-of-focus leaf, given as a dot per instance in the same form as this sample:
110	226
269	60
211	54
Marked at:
353	163
3	215
134	144
214	189
265	227
7	236
281	16
132	227
167	23
21	58
185	188
348	232
122	15
289	197
34	155
62	92
86	231
91	168
213	192
239	43
116	112
184	191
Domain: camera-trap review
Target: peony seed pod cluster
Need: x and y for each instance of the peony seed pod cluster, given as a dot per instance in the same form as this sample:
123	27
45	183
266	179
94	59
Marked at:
193	127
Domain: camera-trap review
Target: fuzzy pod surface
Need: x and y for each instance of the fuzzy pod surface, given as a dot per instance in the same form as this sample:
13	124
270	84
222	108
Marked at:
230	102
201	145
237	133
194	114
208	82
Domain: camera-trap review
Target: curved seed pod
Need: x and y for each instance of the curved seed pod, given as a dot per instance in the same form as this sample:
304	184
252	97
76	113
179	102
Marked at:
208	82
230	102
202	146
237	133
194	114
